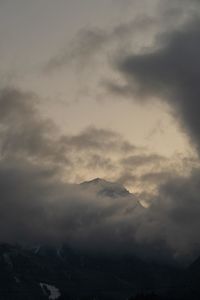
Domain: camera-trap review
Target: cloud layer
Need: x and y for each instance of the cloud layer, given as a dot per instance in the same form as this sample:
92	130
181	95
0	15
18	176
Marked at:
38	206
169	70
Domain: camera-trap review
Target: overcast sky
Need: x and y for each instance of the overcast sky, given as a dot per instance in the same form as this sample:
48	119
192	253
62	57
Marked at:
105	89
78	40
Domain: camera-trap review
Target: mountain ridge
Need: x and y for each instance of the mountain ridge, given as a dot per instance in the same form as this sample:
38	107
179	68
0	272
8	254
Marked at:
106	188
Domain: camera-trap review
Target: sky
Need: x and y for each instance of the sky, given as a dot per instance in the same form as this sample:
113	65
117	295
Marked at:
106	89
62	50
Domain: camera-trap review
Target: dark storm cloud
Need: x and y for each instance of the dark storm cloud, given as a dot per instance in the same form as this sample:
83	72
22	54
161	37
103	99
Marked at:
171	72
177	211
38	206
36	203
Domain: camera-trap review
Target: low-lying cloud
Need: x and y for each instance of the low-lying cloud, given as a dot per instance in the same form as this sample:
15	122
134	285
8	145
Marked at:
38	205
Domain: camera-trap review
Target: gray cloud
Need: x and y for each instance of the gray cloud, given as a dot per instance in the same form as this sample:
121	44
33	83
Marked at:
92	43
26	135
170	72
177	209
85	45
136	34
23	132
38	206
141	160
98	139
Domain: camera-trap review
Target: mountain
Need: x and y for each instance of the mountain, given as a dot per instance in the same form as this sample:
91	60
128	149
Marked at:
191	280
48	272
106	188
51	274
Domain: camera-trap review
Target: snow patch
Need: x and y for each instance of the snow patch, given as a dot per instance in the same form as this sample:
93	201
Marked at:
50	290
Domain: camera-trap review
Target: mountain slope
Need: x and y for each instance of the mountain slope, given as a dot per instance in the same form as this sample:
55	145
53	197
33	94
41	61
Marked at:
106	188
63	273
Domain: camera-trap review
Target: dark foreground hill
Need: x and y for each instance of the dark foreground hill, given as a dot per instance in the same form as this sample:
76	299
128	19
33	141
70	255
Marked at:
50	273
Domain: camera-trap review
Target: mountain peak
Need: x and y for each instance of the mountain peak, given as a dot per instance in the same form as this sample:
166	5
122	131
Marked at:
106	188
96	180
